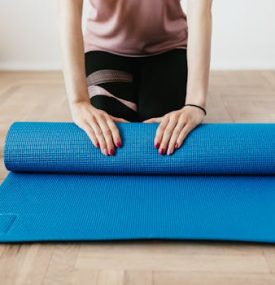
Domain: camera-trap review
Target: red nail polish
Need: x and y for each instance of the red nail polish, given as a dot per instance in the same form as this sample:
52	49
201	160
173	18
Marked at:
112	152
97	144
157	145
176	145
162	150
118	144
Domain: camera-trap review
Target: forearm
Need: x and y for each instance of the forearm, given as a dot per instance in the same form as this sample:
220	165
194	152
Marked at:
72	50
199	19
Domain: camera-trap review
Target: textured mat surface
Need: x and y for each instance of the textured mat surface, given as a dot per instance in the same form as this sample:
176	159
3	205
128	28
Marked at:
224	148
219	186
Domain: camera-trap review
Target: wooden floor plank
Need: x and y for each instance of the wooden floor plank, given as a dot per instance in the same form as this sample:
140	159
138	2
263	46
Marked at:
132	277
179	278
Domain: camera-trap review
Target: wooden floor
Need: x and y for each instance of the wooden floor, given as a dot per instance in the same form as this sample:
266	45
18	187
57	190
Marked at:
40	96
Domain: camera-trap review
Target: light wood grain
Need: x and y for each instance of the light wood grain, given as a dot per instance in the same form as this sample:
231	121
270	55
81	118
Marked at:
235	96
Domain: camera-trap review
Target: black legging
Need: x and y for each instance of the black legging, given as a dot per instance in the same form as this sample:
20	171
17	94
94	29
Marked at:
137	88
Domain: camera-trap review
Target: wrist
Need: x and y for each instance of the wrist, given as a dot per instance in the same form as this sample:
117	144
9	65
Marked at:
73	103
199	102
196	106
198	98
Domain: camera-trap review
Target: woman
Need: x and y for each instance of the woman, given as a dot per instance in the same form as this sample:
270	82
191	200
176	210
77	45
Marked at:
131	64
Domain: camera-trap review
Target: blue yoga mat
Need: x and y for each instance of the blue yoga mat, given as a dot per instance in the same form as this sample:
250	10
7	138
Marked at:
220	185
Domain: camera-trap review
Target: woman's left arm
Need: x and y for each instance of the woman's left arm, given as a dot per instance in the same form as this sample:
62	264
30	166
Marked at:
175	126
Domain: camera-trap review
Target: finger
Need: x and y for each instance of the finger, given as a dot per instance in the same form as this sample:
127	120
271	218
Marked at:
116	119
183	134
115	132
107	133
167	134
99	135
153	120
89	131
172	143
160	131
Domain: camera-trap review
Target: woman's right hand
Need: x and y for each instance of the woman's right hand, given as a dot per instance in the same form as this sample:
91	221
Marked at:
98	125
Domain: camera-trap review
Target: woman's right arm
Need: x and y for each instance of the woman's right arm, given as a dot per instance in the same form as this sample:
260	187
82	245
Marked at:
97	124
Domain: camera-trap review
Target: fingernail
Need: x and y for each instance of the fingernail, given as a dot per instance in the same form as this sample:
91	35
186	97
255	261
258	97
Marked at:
169	152
112	151
157	145
161	151
176	145
118	144
97	144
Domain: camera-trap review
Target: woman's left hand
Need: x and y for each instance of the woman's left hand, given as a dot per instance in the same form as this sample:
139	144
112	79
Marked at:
174	127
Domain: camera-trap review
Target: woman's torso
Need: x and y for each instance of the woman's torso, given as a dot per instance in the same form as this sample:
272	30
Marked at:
135	27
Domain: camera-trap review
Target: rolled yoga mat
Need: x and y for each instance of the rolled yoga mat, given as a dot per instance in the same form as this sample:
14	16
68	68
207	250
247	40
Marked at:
220	185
